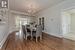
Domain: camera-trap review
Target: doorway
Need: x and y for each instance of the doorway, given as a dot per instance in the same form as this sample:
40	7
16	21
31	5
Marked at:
20	21
68	24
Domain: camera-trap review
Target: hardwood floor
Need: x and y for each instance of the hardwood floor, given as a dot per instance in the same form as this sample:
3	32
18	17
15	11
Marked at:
47	43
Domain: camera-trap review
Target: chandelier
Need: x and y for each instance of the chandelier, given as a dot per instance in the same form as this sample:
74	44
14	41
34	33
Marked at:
31	7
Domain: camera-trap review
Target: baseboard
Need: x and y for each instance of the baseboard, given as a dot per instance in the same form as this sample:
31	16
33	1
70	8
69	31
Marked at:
11	31
53	34
59	36
3	41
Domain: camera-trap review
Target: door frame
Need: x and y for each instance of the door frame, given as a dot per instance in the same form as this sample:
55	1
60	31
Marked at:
62	11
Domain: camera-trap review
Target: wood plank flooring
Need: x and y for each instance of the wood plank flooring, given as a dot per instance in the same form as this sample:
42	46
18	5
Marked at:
47	43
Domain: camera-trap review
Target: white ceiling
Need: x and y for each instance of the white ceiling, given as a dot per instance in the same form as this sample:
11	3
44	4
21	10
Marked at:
71	11
21	5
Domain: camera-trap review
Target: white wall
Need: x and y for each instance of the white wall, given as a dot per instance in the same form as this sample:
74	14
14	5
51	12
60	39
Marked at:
3	28
3	34
66	22
73	23
11	22
53	17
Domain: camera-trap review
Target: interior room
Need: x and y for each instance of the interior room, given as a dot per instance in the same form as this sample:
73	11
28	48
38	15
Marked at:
37	24
68	23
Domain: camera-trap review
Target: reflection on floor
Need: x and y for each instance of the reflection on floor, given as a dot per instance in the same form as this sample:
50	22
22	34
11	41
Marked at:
48	43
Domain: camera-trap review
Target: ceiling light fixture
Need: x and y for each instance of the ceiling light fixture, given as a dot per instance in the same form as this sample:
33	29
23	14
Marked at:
31	7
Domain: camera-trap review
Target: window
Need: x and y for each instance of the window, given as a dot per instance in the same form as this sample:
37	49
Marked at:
21	21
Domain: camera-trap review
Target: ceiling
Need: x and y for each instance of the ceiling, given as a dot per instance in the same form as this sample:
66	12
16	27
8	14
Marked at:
32	6
71	11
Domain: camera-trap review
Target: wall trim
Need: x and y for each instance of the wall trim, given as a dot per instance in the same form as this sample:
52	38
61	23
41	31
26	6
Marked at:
3	41
53	34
